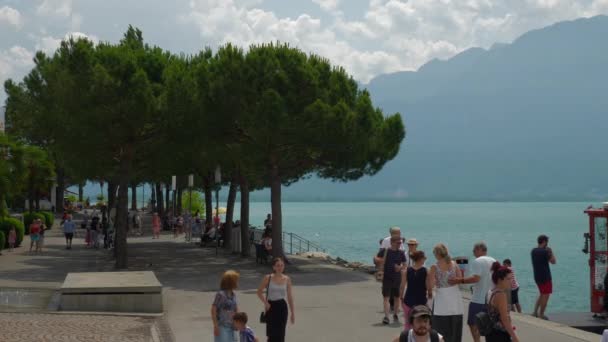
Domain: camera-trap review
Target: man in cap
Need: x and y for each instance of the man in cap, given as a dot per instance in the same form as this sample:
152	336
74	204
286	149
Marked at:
393	260
421	331
386	244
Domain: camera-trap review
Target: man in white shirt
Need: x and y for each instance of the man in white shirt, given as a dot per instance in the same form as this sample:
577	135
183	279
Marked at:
386	242
481	277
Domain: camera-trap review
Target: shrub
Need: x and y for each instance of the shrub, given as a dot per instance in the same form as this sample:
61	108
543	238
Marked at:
2	240
28	218
5	227
49	218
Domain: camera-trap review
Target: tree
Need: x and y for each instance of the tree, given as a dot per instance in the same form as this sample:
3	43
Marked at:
39	174
11	171
305	116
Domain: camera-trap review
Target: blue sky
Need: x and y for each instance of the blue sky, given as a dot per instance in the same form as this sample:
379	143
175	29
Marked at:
367	37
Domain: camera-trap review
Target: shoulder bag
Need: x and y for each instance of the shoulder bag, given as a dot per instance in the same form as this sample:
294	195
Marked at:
263	313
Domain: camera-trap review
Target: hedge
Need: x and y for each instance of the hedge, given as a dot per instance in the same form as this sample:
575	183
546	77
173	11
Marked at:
49	218
5	227
28	218
2	240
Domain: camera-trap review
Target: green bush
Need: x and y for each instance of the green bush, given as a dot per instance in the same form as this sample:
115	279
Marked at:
5	227
49	218
28	218
2	240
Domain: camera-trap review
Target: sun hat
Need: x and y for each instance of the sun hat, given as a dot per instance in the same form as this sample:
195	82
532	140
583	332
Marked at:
412	241
420	311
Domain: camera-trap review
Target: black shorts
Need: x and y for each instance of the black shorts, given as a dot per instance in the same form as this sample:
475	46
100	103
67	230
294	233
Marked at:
390	290
515	296
69	236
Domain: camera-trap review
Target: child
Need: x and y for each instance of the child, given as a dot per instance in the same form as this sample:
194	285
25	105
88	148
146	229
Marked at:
12	239
514	287
240	324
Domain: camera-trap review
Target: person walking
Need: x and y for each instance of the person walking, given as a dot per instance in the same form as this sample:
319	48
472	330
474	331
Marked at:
421	331
224	307
279	288
12	239
415	279
68	231
412	247
448	308
498	306
542	255
41	238
137	224
34	235
481	277
393	260
155	226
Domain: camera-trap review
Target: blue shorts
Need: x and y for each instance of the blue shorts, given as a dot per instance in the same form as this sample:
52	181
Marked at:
35	238
474	309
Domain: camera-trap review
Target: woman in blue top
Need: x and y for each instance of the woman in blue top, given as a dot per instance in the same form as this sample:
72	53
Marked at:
415	279
224	307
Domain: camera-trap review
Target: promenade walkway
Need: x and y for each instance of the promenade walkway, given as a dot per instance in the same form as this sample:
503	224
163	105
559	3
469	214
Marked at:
332	303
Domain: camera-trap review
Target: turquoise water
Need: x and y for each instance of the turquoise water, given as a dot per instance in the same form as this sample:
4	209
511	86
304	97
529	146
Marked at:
352	231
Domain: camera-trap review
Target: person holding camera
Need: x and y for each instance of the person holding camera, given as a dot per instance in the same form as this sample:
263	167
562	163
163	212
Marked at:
542	255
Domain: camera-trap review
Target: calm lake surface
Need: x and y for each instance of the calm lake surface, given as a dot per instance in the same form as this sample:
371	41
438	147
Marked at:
352	230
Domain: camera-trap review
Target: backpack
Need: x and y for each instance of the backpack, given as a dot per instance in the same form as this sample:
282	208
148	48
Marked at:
404	334
484	321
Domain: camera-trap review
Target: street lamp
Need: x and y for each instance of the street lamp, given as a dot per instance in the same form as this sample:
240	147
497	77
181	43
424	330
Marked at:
218	181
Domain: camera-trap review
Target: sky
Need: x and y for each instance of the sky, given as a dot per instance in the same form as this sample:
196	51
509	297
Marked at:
367	37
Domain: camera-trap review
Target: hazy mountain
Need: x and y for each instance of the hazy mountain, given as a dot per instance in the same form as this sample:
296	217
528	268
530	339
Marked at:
520	121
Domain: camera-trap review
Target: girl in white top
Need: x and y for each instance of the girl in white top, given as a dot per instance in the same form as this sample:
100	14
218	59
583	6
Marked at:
448	307
278	295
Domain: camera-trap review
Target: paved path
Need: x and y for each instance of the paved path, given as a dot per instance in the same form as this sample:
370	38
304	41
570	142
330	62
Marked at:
332	303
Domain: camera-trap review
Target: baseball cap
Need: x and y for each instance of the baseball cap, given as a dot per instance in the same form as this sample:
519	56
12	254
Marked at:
420	311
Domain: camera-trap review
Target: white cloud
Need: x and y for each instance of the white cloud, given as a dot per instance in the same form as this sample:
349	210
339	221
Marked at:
11	16
15	61
327	5
61	8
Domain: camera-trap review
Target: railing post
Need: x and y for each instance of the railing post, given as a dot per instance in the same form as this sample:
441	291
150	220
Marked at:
308	248
290	243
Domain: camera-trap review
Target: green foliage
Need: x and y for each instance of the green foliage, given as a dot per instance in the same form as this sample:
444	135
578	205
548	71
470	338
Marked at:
5	226
198	202
72	199
28	218
3	241
49	218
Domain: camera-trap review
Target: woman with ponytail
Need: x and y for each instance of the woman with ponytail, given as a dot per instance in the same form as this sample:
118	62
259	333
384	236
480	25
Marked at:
498	307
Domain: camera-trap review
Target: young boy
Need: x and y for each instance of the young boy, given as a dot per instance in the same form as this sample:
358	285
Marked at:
514	287
240	323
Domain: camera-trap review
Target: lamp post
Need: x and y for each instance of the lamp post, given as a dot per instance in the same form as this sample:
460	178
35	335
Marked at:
218	181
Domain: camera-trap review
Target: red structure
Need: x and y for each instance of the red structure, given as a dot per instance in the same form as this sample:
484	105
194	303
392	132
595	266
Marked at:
596	245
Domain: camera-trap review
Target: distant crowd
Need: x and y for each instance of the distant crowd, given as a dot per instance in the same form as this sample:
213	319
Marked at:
431	300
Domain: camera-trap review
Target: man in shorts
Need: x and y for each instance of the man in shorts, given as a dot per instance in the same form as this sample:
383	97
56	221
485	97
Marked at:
393	259
68	231
481	277
542	255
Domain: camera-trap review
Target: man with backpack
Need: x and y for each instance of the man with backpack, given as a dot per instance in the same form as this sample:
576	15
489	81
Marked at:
421	331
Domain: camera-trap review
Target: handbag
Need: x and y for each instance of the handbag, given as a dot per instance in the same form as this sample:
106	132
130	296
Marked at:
380	267
263	313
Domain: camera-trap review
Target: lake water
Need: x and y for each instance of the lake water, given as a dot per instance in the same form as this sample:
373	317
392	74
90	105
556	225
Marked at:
352	230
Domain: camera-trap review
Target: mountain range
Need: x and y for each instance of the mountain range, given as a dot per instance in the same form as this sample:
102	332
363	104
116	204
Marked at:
521	121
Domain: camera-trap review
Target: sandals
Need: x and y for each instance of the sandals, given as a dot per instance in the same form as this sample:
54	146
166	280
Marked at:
386	321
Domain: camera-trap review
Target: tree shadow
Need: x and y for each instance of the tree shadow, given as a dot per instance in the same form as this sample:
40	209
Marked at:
177	265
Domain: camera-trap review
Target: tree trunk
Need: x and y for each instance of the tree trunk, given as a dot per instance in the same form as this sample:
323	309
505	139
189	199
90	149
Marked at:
179	200
160	204
244	184
168	198
208	200
80	192
153	198
30	200
133	197
3	206
122	211
111	195
37	199
230	213
277	218
60	190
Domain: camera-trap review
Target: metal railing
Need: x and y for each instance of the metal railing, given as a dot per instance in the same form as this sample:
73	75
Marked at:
292	242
